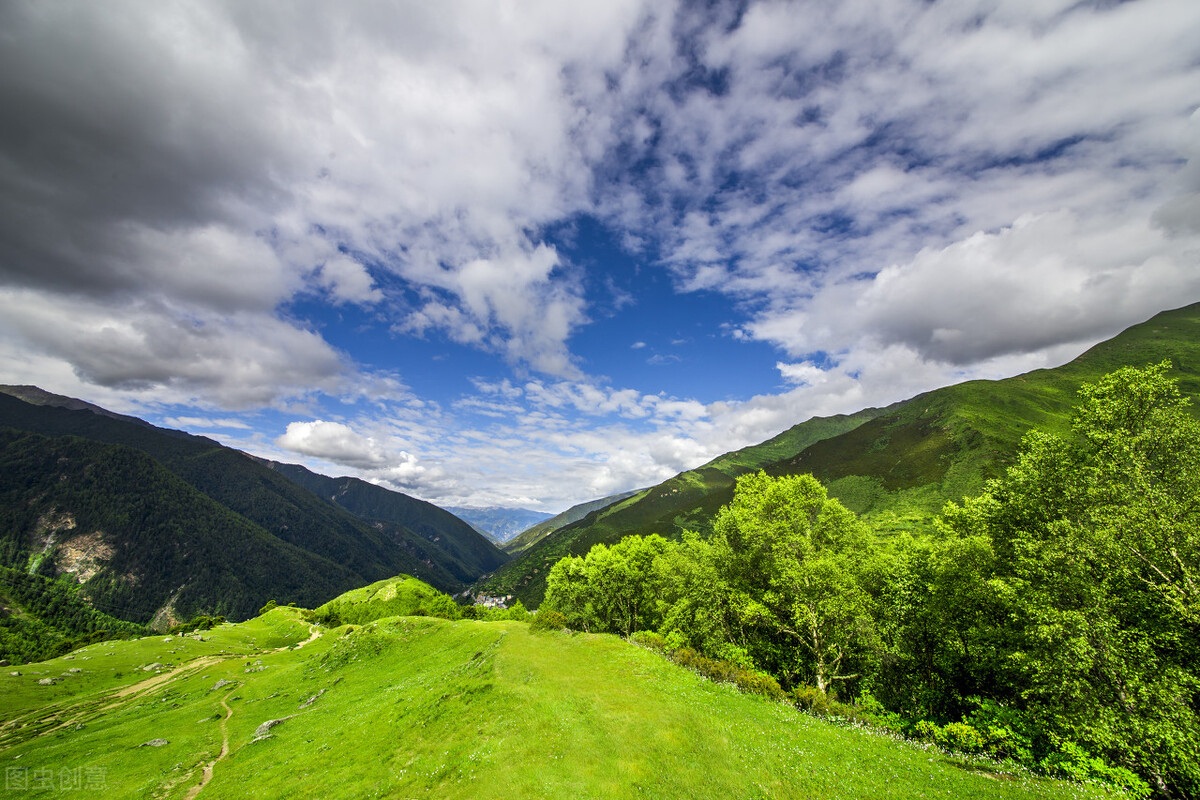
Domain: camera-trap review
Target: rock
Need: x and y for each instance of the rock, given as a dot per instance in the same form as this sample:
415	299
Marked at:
221	683
152	667
264	731
74	670
15	674
47	681
154	743
4	662
312	699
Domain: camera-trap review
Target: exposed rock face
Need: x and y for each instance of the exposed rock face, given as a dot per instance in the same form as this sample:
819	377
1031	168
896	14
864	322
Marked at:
83	556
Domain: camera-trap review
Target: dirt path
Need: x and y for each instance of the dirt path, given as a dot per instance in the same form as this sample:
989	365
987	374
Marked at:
123	696
314	633
207	773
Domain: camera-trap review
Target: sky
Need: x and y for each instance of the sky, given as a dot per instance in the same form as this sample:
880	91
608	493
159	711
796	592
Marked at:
529	254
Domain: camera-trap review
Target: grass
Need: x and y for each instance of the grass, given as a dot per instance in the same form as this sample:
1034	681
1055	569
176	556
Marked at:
420	707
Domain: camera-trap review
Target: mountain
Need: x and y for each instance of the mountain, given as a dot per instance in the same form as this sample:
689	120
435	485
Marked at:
895	466
528	537
160	525
499	524
409	706
456	545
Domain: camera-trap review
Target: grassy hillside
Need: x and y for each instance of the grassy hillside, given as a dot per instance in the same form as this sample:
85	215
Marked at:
414	706
899	469
896	466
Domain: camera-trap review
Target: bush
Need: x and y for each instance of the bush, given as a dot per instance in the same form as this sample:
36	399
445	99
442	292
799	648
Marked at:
1006	731
545	620
746	680
811	699
1072	761
925	731
960	737
197	623
649	639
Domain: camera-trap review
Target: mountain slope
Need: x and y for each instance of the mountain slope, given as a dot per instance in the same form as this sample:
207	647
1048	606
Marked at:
459	548
524	540
896	466
139	539
413	706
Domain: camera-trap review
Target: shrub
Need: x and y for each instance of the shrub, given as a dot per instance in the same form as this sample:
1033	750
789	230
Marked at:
960	737
924	730
870	710
650	639
270	604
548	621
197	623
1006	731
811	699
746	680
1072	761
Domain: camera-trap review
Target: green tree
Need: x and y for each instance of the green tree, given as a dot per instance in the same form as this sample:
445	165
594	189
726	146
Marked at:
611	589
1097	545
794	560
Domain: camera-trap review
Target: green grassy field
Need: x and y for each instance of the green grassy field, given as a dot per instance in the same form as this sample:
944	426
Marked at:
422	707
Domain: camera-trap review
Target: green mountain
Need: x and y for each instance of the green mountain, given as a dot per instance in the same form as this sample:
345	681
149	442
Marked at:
450	541
895	466
158	525
526	538
408	706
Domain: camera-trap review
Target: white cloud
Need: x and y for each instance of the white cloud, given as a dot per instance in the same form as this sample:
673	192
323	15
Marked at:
193	423
348	281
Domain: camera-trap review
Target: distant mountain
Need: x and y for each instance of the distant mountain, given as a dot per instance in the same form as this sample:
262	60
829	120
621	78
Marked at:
896	466
499	524
160	525
530	536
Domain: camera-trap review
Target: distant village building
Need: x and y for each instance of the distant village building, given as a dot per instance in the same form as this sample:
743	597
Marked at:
489	601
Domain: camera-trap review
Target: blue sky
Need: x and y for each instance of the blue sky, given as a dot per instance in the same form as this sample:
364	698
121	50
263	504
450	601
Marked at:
533	254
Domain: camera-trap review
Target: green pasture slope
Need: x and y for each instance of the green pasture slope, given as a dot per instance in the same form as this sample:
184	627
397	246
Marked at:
424	707
896	467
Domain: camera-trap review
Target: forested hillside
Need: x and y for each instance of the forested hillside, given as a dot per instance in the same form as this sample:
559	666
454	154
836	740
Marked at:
459	548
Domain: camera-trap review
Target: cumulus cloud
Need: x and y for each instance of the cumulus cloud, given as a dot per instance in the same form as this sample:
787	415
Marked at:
339	444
